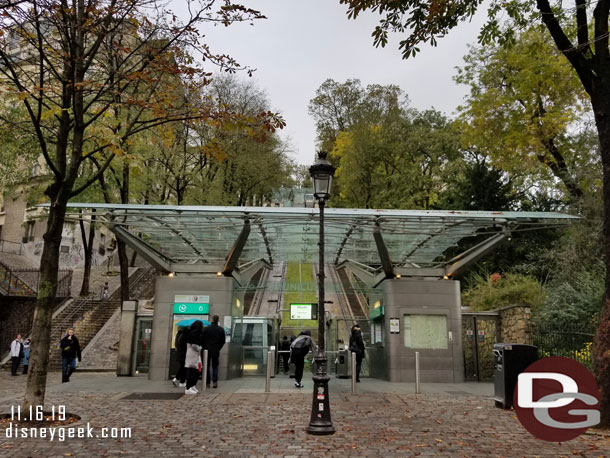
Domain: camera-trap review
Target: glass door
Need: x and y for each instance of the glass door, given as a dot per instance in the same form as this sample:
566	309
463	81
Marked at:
142	356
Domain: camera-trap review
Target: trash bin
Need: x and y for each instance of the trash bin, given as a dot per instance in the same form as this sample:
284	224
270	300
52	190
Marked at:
342	363
510	360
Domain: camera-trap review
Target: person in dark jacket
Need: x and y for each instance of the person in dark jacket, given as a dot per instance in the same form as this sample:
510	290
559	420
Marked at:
180	346
356	345
298	350
285	349
193	356
70	351
213	341
26	355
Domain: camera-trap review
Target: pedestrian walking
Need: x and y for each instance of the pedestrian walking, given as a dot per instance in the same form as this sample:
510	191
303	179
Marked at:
26	355
192	360
213	341
356	345
70	352
298	350
285	349
16	354
105	292
180	346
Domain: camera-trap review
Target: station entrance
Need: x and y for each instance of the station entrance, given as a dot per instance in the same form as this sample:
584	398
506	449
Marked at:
394	272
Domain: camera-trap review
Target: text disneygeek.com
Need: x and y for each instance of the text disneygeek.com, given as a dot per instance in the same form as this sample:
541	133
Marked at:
61	433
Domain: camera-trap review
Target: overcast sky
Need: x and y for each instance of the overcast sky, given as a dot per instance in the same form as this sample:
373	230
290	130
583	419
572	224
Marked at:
302	43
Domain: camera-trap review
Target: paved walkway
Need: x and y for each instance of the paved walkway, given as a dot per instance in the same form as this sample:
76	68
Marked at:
239	419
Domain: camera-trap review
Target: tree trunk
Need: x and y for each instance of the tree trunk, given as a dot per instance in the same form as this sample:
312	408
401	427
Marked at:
121	247
124	264
88	248
43	313
601	355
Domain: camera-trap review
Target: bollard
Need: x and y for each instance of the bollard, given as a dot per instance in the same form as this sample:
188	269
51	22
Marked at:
416	372
204	370
272	350
269	369
353	372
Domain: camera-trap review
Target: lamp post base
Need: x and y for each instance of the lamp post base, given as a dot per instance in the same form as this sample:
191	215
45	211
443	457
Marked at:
320	423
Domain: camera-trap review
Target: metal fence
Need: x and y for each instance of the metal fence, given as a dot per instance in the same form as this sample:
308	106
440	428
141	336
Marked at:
25	282
574	342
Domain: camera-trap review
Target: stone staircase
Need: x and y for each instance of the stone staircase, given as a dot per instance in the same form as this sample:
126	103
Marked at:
88	315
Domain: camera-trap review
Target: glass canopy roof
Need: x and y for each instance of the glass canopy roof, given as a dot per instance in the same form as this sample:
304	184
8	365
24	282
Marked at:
414	238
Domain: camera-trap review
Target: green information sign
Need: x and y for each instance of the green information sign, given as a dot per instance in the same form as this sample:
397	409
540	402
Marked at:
303	311
376	312
184	308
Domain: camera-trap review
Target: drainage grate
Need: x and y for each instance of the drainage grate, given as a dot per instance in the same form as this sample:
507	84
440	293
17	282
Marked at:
152	396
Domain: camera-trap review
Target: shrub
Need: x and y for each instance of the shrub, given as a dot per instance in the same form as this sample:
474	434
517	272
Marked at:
489	292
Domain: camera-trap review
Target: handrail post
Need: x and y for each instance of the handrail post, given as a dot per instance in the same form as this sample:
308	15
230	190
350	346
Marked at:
417	372
269	369
204	371
353	371
272	350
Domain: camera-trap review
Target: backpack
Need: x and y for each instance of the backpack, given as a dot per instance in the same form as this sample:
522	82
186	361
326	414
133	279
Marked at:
300	343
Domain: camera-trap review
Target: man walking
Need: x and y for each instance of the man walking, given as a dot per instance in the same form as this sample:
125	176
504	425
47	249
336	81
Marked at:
70	350
285	349
213	339
16	354
298	350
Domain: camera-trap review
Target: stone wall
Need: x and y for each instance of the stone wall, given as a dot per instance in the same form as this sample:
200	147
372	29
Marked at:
515	323
16	315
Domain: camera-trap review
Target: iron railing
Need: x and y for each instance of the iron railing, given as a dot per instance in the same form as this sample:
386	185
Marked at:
574	342
25	282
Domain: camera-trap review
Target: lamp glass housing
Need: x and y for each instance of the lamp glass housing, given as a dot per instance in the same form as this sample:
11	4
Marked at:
322	174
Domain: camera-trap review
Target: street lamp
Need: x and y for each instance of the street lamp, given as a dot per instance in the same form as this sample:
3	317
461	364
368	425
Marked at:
320	422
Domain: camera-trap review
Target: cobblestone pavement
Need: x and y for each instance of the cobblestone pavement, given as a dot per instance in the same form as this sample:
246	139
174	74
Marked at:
236	421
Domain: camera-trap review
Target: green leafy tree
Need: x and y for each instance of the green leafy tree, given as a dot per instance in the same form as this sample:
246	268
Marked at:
337	107
580	33
400	161
525	101
479	186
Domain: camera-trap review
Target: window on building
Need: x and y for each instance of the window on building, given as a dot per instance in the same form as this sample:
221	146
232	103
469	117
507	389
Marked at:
377	332
28	236
426	331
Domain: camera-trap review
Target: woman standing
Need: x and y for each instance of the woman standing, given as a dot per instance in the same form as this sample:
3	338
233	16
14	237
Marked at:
193	356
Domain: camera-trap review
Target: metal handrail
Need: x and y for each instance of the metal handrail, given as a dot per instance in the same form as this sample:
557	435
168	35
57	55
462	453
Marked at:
78	309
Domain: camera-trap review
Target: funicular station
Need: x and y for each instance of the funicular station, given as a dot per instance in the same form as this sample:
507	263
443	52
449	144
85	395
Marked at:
395	272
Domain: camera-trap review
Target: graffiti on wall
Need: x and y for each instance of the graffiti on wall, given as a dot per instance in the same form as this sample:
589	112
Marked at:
71	256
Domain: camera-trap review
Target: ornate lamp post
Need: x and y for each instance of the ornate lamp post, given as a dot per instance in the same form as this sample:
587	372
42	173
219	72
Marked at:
320	423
